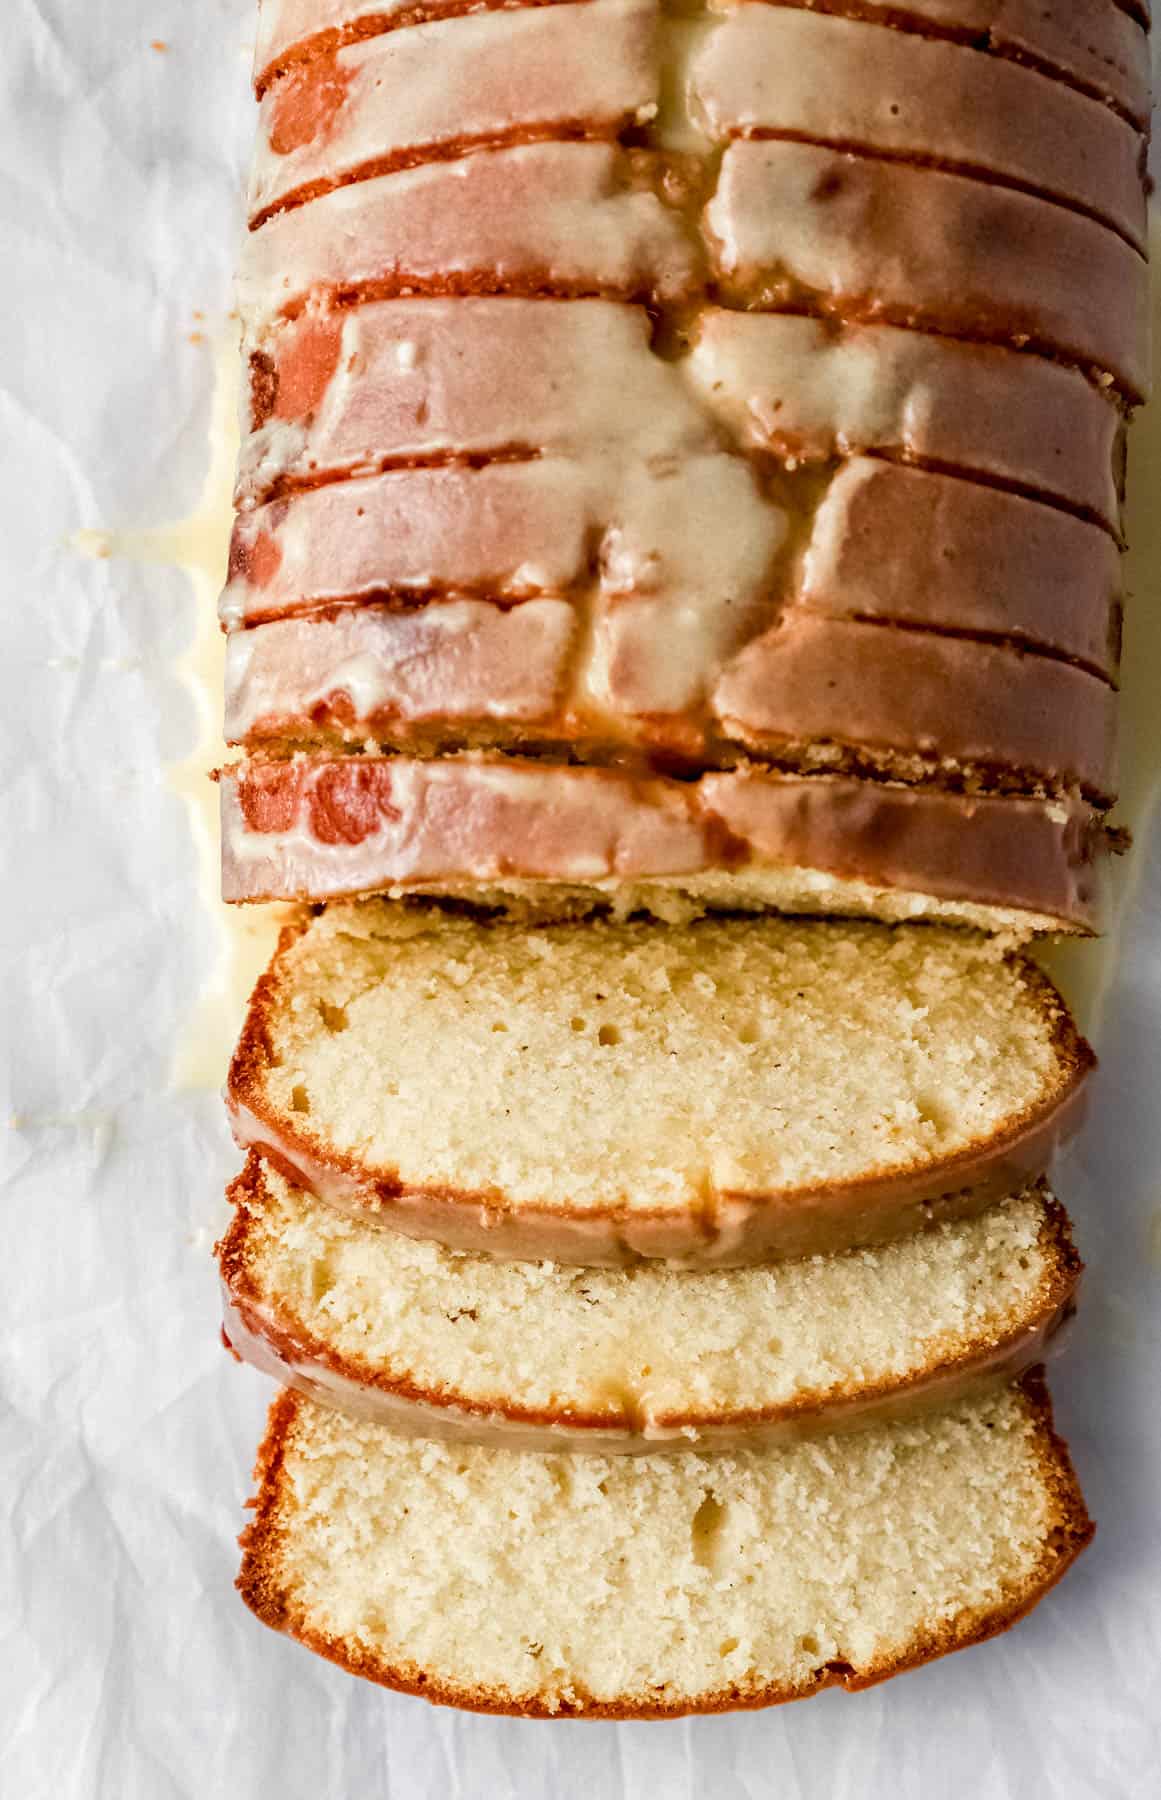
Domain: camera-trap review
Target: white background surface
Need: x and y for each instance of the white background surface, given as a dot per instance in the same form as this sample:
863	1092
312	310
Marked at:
129	1670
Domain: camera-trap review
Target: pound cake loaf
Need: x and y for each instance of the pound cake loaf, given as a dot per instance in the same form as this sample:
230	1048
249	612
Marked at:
673	633
720	1093
444	1344
644	1587
729	399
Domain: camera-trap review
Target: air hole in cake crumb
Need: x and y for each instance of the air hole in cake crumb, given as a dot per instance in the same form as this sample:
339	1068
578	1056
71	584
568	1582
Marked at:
809	1644
322	1280
750	1033
499	1025
577	1023
774	1346
299	1099
608	1035
932	1111
728	1646
333	1017
705	1530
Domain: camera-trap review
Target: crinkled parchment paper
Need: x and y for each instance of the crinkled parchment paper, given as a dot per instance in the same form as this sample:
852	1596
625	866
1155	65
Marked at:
129	1670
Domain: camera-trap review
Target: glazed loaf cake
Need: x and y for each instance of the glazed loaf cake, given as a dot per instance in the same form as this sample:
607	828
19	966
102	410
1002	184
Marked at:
720	1093
643	1587
734	412
444	1344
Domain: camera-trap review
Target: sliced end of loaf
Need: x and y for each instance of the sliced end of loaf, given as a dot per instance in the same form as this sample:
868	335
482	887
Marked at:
652	1587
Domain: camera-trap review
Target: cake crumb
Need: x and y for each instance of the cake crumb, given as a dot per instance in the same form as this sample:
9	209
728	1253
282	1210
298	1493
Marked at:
1153	1238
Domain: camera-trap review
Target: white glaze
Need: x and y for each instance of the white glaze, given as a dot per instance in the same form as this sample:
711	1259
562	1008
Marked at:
557	212
847	82
475	78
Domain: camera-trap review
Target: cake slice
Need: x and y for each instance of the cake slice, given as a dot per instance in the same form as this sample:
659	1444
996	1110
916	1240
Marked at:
593	67
946	254
544	841
446	1344
367	388
725	1092
1098	47
1014	590
552	1586
583	68
573	218
792	72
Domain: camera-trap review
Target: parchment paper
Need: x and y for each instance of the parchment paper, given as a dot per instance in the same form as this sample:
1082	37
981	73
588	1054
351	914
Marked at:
128	1667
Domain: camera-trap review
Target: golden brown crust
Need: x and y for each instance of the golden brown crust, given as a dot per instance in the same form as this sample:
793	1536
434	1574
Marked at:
725	1230
267	1333
292	52
339	827
260	1586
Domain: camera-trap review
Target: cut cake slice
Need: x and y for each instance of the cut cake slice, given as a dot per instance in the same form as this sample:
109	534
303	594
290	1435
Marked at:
542	841
726	1092
447	1344
506	1581
1097	47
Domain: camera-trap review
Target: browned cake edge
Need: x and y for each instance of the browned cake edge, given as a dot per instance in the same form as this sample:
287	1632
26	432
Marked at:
262	1587
266	1331
724	1229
